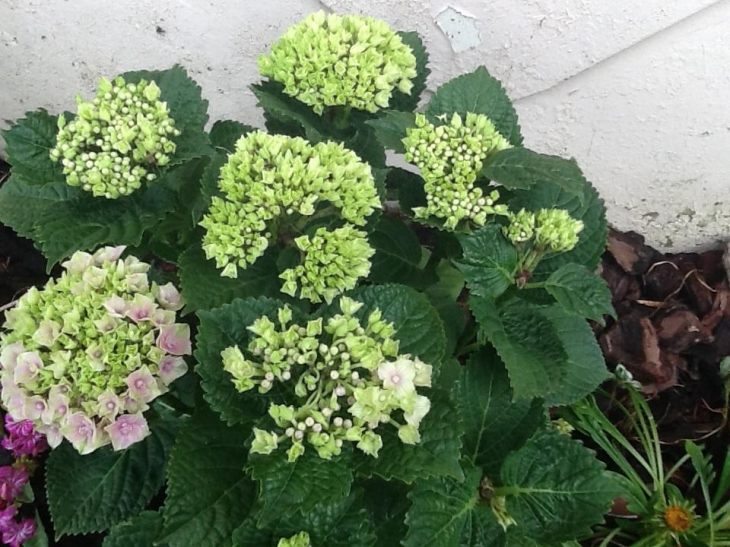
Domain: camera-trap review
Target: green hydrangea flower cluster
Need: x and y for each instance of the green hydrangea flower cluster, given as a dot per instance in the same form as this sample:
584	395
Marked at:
84	356
330	60
299	540
450	157
269	187
553	230
348	379
115	141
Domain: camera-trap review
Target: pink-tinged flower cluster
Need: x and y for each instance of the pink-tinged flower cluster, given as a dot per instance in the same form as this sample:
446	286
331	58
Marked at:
14	532
22	439
84	357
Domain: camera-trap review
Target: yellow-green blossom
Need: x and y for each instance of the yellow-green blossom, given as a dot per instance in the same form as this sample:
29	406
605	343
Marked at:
556	230
450	157
331	60
299	540
117	139
521	226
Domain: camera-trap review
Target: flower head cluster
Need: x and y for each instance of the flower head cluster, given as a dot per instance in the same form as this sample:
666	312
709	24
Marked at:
299	540
329	60
347	377
22	439
14	532
553	230
84	356
332	263
450	157
269	187
116	139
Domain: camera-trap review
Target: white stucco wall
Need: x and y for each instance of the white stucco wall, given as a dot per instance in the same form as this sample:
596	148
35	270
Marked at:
638	92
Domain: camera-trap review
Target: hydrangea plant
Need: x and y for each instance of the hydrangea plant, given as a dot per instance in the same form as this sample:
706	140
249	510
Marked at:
376	347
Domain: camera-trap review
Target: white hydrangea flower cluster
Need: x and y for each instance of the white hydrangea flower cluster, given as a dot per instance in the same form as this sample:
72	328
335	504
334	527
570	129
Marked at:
117	139
83	357
348	379
450	157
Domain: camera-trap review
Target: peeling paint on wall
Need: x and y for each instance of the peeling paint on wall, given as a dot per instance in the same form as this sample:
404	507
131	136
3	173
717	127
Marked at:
460	28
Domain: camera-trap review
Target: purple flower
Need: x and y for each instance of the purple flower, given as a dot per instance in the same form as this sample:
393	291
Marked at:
175	339
12	481
7	517
18	533
127	430
21	439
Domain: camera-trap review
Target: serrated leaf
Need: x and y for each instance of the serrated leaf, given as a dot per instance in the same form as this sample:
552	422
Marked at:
94	492
203	287
209	495
481	93
408	187
448	513
581	292
222	328
285	109
390	128
593	238
520	169
140	531
401	101
437	454
555	488
367	147
586	365
334	523
485	401
489	262
527	343
397	254
225	134
28	144
387	503
299	486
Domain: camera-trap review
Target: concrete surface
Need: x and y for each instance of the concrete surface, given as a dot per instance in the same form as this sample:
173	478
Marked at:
638	92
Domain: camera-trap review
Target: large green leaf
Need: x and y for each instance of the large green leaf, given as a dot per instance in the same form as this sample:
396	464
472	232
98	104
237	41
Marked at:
220	329
592	240
450	513
284	109
209	495
140	531
580	292
520	168
401	101
555	488
387	503
485	401
527	343
94	492
334	523
225	134
290	487
28	144
489	263
204	288
437	454
397	255
481	93
390	128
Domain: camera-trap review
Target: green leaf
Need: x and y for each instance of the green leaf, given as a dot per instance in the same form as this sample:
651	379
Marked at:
390	128
520	168
397	254
209	495
28	144
220	329
437	454
334	523
401	101
387	503
449	513
527	343
299	486
489	263
367	147
485	401
556	489
94	492
481	93
586	366
592	240
408	188
203	287
40	539
225	134
581	292
285	109
141	531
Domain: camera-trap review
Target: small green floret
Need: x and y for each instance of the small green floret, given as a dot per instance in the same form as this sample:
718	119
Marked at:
450	157
521	226
331	60
556	230
299	540
116	140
